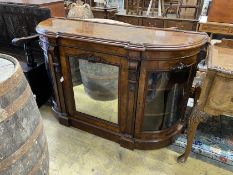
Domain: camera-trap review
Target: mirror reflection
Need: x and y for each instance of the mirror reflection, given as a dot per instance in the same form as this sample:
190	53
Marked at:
95	87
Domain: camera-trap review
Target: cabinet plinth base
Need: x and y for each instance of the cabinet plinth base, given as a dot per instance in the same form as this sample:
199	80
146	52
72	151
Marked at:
123	140
62	118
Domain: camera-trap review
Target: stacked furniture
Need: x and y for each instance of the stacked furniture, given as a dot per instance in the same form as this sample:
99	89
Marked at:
221	28
190	9
160	22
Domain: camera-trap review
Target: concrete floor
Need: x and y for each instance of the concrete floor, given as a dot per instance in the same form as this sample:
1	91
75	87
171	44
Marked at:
75	152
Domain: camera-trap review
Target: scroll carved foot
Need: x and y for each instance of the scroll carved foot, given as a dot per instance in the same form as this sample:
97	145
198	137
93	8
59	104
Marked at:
196	117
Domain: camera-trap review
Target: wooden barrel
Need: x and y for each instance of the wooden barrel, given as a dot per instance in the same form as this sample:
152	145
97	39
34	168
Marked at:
23	144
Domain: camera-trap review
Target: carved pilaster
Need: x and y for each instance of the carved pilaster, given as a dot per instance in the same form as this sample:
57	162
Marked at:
57	79
53	67
49	53
133	76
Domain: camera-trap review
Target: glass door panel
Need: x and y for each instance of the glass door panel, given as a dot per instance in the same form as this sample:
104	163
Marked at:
164	99
95	87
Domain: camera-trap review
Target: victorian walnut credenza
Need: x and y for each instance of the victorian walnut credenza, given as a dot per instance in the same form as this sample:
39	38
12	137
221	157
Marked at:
125	83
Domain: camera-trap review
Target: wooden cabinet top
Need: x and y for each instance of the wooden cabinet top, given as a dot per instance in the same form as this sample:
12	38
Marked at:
131	37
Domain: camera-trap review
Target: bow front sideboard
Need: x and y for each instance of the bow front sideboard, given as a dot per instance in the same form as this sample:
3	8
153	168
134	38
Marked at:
128	84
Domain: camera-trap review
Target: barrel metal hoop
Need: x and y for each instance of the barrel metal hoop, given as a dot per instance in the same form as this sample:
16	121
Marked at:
40	161
23	149
18	103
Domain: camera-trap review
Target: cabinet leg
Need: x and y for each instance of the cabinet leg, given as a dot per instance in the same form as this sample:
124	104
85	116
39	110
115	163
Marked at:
195	118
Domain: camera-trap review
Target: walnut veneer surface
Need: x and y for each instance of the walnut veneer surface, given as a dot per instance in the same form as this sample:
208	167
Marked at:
130	36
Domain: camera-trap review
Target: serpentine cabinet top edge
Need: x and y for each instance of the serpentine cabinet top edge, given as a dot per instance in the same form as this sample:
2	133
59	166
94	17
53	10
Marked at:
130	37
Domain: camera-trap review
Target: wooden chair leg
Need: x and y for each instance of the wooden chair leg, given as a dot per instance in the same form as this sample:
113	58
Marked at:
163	7
197	93
143	3
196	117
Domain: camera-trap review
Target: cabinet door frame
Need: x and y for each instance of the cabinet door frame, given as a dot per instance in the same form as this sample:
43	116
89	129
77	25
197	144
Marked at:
114	60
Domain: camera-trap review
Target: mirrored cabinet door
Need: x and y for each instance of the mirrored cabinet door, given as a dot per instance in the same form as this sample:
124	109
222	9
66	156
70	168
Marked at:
95	88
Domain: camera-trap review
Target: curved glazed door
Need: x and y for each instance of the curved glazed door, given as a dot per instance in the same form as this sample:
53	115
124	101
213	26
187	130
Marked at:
162	95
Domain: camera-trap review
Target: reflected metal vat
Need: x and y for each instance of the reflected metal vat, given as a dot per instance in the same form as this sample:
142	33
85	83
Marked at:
100	80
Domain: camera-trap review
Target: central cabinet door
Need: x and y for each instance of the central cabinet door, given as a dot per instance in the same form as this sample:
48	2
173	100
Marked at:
95	87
